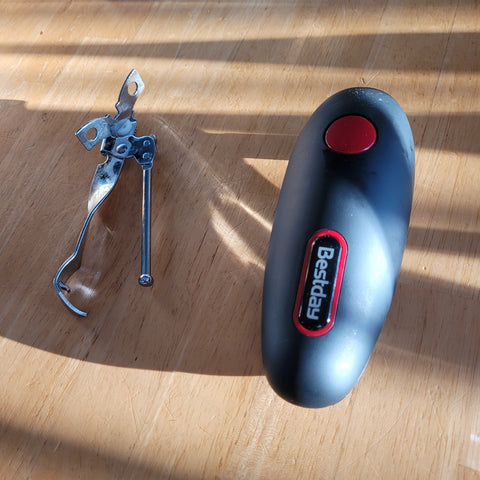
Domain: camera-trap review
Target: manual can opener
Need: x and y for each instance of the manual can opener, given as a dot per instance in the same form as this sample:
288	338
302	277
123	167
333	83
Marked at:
118	143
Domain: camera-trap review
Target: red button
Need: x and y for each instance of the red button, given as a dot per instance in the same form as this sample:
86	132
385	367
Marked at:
351	134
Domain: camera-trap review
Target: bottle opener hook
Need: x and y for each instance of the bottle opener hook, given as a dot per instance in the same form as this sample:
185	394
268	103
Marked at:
118	143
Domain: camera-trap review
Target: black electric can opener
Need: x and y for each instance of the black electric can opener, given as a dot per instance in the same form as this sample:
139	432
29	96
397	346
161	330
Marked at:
336	245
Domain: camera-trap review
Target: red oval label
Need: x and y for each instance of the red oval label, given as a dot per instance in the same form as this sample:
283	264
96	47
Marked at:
320	283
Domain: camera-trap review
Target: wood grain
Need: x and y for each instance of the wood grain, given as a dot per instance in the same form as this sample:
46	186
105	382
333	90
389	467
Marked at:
168	382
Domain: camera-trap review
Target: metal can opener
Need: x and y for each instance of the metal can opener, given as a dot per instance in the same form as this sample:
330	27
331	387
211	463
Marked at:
118	143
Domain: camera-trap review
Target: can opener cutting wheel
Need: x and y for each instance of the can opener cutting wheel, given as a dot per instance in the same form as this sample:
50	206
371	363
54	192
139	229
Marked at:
118	143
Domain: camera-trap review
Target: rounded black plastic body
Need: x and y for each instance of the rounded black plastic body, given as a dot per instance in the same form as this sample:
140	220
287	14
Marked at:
367	198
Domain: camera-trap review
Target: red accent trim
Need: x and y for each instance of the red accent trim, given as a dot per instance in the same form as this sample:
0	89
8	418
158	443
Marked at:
338	283
351	134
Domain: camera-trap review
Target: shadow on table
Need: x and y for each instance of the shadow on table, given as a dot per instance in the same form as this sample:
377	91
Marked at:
212	212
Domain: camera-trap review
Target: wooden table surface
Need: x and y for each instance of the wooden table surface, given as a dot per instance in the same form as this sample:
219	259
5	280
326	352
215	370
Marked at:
168	382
